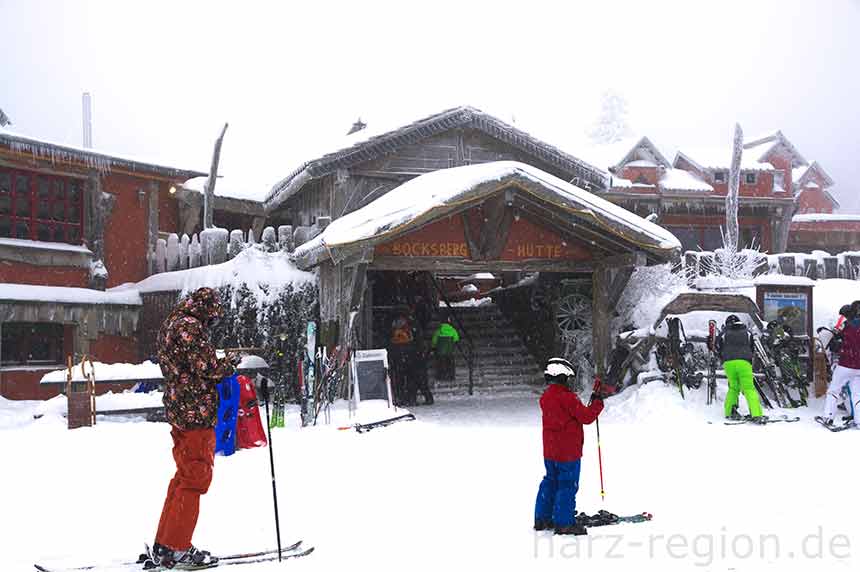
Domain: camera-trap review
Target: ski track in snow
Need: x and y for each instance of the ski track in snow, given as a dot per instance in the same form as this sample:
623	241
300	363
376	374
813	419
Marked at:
456	488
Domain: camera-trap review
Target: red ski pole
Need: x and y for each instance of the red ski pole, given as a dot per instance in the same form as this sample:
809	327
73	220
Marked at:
599	455
600	461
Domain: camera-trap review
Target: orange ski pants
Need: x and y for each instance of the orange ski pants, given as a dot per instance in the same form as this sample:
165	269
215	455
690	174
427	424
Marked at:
194	453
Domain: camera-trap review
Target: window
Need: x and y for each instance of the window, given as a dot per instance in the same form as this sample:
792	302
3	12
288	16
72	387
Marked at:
719	176
750	178
40	207
31	344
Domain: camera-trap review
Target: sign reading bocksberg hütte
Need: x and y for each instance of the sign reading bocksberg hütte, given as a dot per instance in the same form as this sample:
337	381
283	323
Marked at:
446	239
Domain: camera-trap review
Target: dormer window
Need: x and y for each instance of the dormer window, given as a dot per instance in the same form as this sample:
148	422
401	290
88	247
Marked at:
40	207
720	176
750	178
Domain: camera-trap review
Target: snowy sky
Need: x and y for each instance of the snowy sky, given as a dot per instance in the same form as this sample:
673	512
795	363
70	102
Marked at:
291	76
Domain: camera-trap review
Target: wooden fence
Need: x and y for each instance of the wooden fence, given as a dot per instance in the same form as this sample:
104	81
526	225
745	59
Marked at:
818	265
217	245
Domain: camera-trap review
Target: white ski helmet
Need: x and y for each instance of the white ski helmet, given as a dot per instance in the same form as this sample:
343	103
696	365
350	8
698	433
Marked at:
556	367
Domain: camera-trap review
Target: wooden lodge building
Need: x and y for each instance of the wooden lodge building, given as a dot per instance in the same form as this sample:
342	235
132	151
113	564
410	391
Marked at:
457	193
391	219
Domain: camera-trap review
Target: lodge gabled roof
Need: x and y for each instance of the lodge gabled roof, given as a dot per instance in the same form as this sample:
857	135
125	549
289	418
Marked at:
651	151
762	147
458	117
440	194
57	153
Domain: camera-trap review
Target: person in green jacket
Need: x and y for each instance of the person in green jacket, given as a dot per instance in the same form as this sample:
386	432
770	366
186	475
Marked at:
444	339
735	345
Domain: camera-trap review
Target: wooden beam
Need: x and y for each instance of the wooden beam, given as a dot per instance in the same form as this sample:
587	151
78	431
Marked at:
600	334
623	260
573	226
209	197
619	283
440	264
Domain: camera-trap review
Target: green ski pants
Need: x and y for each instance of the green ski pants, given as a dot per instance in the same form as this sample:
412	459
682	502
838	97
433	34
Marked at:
740	375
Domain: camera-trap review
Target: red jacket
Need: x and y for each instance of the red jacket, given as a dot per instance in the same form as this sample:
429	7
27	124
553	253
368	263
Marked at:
563	417
849	354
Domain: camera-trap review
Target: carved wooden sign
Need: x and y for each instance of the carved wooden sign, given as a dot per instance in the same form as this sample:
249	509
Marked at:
507	237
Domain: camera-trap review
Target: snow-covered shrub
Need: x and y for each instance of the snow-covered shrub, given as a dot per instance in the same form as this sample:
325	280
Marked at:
650	288
272	319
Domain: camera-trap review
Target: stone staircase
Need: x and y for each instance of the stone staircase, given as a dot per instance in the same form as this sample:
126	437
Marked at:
501	360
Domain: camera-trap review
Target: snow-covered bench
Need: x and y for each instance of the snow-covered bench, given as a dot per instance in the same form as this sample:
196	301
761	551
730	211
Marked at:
128	373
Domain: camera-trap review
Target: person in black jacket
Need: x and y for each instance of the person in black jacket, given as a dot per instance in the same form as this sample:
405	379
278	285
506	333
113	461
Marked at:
735	346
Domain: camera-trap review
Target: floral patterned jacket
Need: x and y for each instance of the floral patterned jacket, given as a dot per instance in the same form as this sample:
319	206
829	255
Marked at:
188	362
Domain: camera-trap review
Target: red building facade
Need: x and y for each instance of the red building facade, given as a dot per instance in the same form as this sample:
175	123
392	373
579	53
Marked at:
73	222
687	195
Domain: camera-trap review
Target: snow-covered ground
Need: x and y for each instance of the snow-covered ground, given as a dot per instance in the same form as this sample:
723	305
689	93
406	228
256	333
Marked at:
453	489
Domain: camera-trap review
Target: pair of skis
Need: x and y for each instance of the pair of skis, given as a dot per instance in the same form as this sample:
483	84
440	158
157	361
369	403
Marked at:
605	518
295	550
835	428
365	427
767	420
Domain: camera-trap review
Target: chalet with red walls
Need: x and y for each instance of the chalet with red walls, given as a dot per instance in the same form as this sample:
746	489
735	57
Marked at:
74	222
687	195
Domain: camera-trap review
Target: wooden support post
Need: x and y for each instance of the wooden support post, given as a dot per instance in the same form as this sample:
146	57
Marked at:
600	319
209	197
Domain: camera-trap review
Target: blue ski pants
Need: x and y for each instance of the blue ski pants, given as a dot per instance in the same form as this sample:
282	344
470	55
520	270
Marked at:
556	498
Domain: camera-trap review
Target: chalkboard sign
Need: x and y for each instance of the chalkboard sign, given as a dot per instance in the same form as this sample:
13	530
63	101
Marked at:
370	375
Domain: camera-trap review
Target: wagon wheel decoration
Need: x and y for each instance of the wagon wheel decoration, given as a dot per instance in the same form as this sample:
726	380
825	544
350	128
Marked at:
574	325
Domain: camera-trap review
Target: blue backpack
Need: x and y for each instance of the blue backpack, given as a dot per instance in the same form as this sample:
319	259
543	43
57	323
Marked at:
228	415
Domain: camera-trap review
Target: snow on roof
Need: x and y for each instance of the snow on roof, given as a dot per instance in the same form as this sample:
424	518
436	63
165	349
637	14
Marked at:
446	187
721	158
252	267
681	180
784	279
824	217
797	173
64	295
104	162
228	187
605	155
641	163
43	245
374	140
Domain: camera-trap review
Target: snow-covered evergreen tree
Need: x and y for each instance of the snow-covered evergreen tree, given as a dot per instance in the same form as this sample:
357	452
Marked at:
612	124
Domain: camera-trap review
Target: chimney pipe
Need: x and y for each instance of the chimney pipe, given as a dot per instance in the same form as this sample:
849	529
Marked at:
87	103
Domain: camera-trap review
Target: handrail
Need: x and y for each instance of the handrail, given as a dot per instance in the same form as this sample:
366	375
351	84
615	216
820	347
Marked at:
470	358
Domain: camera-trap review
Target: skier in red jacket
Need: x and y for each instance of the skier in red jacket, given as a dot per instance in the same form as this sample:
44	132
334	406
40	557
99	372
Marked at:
563	417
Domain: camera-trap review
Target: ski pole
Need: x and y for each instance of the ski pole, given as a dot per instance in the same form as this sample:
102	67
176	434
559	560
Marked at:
272	466
600	460
597	426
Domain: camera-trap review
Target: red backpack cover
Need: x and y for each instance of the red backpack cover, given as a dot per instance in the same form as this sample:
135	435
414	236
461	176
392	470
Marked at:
249	431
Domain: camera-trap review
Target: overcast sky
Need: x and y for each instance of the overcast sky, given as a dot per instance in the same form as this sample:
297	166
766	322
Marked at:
290	76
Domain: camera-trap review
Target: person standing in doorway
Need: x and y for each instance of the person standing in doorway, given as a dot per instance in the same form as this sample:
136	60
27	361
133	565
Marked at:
445	339
735	346
402	352
191	372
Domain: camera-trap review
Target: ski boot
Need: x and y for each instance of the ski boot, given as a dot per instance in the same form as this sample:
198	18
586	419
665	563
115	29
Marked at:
760	420
826	421
543	525
734	415
195	559
163	557
574	529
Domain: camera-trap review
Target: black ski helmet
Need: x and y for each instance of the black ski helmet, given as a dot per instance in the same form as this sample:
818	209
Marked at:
559	370
733	319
